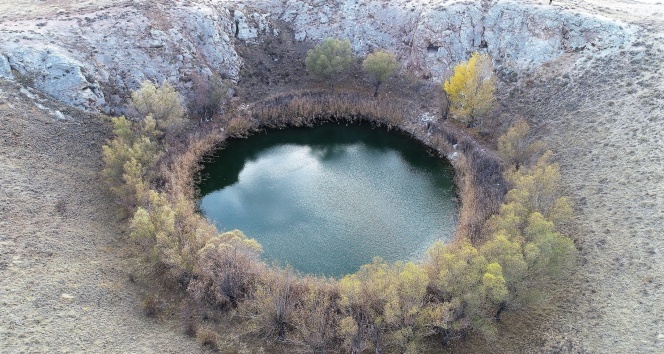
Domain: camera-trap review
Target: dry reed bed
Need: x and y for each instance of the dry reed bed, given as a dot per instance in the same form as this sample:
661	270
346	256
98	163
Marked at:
478	171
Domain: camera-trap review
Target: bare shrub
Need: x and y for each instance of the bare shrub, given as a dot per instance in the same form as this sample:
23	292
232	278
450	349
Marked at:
209	95
271	310
227	269
152	305
239	127
315	319
208	337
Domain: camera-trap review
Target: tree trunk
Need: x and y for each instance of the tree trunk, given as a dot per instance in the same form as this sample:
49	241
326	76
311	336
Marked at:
376	90
502	308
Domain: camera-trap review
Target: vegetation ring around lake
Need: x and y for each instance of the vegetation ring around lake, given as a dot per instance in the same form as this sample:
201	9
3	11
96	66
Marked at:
506	248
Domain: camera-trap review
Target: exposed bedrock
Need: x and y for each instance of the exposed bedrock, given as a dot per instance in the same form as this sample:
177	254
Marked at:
93	60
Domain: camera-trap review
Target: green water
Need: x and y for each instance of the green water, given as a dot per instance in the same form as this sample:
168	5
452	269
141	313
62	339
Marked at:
328	199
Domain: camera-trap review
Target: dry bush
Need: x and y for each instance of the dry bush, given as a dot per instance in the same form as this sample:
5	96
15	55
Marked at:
152	305
316	317
516	147
271	310
209	95
239	127
227	271
315	107
208	337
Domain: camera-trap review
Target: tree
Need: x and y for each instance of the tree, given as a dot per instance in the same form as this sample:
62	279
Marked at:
381	65
329	59
163	103
471	89
381	304
515	147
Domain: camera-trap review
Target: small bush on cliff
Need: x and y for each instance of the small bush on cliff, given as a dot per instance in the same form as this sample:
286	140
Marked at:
329	59
381	65
471	89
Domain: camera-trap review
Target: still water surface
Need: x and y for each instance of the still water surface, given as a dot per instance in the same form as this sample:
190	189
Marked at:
328	199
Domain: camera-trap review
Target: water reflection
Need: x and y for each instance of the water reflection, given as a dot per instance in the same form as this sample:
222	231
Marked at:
329	199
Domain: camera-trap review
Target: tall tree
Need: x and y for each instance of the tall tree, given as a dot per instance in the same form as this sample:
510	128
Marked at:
329	59
471	89
381	65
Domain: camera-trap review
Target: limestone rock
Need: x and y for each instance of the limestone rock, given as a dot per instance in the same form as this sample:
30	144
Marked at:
5	69
57	74
92	61
431	37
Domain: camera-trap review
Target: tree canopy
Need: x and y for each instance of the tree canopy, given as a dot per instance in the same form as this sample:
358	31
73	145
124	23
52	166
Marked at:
471	89
329	59
381	65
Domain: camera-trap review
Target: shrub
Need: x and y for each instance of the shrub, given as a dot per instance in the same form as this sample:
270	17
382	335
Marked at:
209	95
152	305
129	160
208	337
315	319
271	310
163	103
516	148
381	304
239	127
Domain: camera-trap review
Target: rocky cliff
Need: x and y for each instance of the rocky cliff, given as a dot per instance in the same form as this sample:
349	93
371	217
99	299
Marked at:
92	60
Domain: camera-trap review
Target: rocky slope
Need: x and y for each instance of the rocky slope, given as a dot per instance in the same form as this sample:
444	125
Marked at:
589	73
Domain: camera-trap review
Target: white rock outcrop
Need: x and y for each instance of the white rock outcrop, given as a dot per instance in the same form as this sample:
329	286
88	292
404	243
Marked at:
431	37
5	69
115	49
93	60
54	72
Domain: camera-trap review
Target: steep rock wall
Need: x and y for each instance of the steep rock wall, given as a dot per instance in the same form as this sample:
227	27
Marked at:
431	37
92	61
72	57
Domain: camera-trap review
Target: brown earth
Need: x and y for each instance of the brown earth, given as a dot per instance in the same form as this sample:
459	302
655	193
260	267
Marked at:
65	268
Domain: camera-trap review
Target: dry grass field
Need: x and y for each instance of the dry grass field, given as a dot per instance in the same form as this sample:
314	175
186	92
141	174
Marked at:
65	282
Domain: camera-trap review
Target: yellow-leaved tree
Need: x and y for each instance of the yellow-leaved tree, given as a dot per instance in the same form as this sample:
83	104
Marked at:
471	89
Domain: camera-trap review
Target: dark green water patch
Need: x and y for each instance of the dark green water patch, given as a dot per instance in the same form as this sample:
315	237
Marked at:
328	199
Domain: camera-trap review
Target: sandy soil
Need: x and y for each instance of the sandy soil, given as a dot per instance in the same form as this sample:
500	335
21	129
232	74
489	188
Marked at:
64	267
